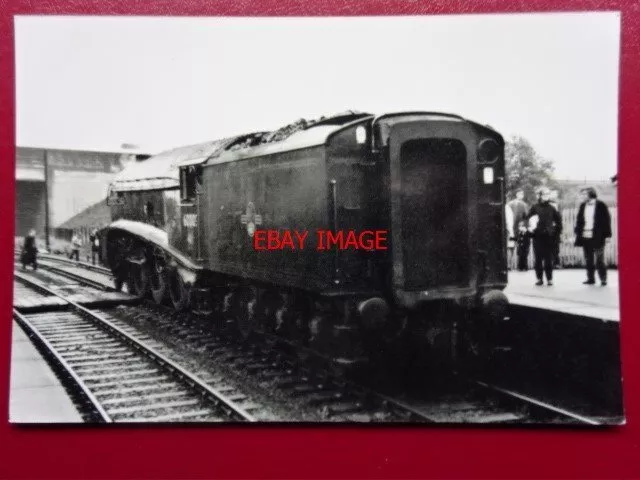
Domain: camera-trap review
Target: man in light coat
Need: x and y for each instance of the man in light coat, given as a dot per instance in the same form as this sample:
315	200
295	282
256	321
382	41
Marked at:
76	243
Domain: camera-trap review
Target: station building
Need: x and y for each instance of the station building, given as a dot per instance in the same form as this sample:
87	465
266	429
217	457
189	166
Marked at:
68	181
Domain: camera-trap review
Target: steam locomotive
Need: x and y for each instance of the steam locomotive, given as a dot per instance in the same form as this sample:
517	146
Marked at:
185	222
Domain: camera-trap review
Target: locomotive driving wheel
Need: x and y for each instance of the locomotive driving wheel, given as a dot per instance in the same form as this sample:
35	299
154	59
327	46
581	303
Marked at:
178	292
140	276
159	280
119	281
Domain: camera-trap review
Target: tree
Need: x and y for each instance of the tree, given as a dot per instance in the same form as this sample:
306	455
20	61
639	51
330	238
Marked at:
526	169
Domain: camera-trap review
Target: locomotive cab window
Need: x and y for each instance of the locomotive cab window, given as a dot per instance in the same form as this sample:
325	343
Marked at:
114	197
189	183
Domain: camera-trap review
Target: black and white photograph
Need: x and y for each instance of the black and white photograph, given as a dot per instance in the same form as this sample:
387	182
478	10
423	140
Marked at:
365	220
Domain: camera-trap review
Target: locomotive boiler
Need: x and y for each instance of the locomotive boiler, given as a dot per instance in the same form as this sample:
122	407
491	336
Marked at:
185	224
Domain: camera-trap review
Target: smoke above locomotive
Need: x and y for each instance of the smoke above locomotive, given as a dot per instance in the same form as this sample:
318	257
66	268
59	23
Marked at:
187	224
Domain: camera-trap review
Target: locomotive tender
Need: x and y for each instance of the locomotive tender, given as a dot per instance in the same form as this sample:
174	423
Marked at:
184	223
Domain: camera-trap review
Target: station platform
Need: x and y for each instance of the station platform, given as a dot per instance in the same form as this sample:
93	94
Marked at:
36	395
568	294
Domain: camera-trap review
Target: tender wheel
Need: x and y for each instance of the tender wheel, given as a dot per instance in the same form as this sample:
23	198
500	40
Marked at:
178	292
246	314
159	284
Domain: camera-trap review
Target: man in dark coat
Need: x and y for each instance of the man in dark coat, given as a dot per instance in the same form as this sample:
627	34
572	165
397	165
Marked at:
593	228
545	224
523	240
30	250
95	246
556	246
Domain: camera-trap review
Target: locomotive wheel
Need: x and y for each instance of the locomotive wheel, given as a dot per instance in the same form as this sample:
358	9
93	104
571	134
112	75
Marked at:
160	288
141	280
159	285
178	292
266	317
245	323
131	281
246	316
118	283
120	276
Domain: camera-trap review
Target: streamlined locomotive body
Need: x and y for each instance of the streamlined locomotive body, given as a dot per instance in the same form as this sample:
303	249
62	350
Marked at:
433	182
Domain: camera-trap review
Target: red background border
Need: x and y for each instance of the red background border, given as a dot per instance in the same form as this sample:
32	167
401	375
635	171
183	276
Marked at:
322	452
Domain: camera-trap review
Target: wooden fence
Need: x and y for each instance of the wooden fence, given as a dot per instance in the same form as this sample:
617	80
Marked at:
572	256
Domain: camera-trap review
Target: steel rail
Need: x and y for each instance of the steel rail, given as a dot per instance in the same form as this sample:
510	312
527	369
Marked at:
73	263
231	411
63	369
397	406
538	403
356	389
74	276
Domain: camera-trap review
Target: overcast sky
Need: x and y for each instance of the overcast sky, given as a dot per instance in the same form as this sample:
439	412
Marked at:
98	82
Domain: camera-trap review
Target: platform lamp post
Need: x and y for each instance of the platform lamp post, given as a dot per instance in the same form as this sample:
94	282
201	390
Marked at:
46	201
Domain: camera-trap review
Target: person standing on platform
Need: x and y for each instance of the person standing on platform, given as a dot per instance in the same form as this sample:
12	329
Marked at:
76	243
593	230
519	208
556	246
545	224
30	251
523	240
511	244
95	246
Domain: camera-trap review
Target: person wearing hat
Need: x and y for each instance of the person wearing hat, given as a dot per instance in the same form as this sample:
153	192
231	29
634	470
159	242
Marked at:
545	224
593	229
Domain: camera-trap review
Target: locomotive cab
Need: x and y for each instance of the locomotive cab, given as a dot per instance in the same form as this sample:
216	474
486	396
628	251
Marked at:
186	235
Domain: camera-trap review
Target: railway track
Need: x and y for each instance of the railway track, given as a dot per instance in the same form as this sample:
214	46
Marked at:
73	263
544	410
335	398
332	398
307	394
118	377
96	277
